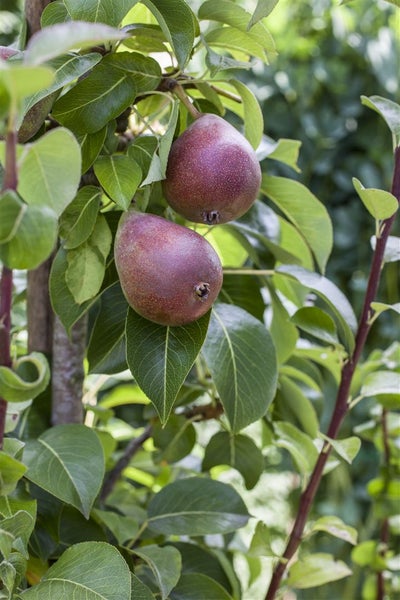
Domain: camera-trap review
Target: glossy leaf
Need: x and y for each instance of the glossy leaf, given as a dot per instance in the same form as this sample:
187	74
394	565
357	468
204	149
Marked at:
28	377
11	213
253	117
317	323
305	211
287	152
283	331
244	291
237	451
11	471
120	176
389	110
165	564
347	448
160	357
298	444
297	407
91	145
196	506
106	349
175	440
385	385
98	98
207	561
79	219
379	203
68	462
241	358
99	10
86	571
335	526
316	569
262	10
337	301
47	176
58	39
167	138
197	586
178	23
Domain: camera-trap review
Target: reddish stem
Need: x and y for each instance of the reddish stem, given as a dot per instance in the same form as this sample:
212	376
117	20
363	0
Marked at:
341	406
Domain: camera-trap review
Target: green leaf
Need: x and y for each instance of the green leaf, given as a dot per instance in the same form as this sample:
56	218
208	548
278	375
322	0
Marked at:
380	307
11	471
86	263
167	138
230	38
122	527
237	451
160	357
262	10
48	177
21	81
60	38
174	440
253	117
28	377
287	152
79	218
11	212
317	323
283	331
68	462
347	448
120	176
305	211
218	62
241	358
54	13
379	203
140	591
298	444
86	571
365	553
244	291
337	528
106	349
316	569
20	525
165	564
99	10
98	98
179	25
196	506
392	248
66	69
336	300
91	145
261	541
208	561
389	111
297	407
385	385
197	586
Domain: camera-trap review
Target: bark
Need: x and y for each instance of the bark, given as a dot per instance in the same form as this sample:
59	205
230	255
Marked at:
33	12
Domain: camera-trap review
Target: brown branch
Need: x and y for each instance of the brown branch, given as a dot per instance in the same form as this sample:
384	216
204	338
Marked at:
33	13
341	406
384	533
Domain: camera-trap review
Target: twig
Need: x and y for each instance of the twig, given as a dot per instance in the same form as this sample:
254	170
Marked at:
341	406
384	533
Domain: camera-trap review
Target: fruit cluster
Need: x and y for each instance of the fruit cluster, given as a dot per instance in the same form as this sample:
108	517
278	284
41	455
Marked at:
169	273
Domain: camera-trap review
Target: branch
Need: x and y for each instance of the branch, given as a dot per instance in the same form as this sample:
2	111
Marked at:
341	406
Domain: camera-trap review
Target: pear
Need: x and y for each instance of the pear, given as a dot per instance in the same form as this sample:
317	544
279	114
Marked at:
213	174
169	274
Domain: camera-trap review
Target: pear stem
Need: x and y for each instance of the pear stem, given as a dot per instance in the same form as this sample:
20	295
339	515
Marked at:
178	90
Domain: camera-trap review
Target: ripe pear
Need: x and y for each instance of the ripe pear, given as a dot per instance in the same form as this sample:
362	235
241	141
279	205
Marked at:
213	174
169	274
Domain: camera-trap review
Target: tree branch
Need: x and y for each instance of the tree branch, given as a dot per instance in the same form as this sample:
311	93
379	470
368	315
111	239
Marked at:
341	406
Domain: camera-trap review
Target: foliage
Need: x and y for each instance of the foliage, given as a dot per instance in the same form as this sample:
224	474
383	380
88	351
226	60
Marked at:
194	438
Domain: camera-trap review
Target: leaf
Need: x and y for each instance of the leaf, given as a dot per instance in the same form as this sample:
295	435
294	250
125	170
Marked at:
140	591
20	81
336	300
20	525
305	211
179	25
28	377
347	448
317	323
261	541
253	117
197	586
99	10
237	451
58	39
167	138
11	212
389	111
106	349
47	176
54	13
385	385
283	331
86	571
196	506
11	471
217	62
174	440
337	528
392	248
379	203
79	218
316	569
91	145
98	98
68	462
286	152
297	407
165	564
122	527
380	307
160	357
298	444
262	10
241	358
86	263
120	176
243	291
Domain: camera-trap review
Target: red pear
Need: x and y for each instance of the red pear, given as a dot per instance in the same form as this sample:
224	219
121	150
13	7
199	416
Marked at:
169	274
213	174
